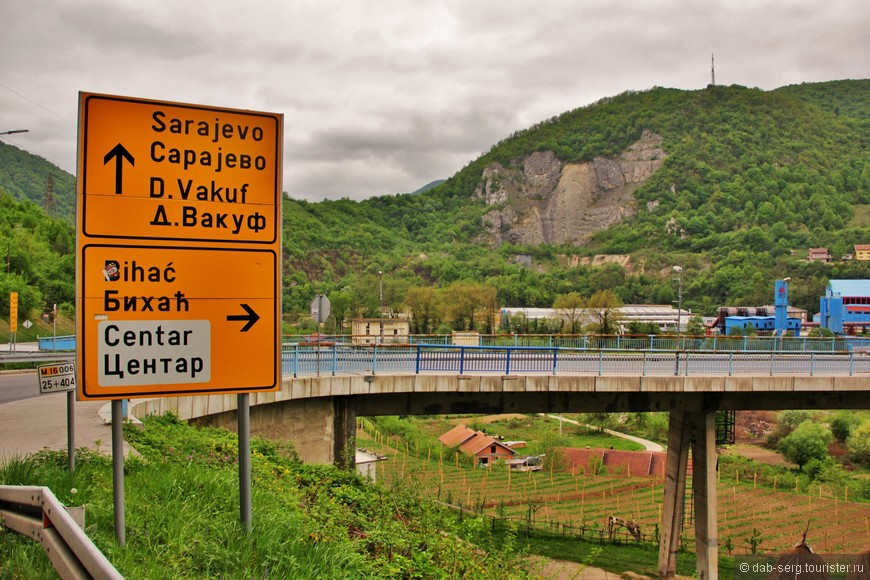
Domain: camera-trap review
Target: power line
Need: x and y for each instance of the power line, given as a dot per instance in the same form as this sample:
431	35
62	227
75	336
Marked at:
44	108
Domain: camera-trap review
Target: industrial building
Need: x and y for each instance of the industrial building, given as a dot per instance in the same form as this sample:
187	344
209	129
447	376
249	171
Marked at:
666	317
845	307
762	318
765	325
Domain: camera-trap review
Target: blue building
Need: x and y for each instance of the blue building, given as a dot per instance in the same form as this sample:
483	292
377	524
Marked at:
845	307
766	325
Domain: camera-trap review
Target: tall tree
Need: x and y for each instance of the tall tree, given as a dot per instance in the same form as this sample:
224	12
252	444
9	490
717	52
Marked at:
695	327
489	298
570	307
603	307
466	301
808	441
425	309
341	308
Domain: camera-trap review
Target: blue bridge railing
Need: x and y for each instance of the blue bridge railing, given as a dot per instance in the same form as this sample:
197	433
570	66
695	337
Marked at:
653	342
423	358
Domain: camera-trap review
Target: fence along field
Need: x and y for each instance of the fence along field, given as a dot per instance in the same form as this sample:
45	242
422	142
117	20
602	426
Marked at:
581	502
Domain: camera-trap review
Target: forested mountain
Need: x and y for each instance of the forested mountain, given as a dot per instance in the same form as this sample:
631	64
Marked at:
750	181
39	259
744	182
27	176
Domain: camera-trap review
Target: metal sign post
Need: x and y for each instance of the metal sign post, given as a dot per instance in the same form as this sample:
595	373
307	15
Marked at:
118	472
320	309
244	424
57	378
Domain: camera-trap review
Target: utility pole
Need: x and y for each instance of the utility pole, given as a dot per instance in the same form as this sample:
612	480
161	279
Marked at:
679	269
381	302
49	202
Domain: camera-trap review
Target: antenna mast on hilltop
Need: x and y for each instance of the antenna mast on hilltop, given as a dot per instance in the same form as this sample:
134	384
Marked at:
712	69
48	201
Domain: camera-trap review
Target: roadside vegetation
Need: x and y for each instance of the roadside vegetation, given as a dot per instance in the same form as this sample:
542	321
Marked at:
762	508
321	522
182	512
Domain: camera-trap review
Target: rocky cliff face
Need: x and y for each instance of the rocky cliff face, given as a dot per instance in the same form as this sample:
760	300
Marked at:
542	200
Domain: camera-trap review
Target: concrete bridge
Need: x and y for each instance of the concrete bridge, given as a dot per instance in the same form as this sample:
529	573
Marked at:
318	413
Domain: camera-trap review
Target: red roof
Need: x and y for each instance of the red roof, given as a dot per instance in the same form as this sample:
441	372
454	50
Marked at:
472	442
456	436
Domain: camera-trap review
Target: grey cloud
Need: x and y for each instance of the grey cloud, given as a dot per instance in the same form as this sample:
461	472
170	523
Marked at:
383	97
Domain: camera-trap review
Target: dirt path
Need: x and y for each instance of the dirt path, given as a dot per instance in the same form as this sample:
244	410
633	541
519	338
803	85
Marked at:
648	445
759	454
565	570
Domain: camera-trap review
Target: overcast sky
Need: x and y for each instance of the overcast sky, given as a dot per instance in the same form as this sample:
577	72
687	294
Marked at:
381	97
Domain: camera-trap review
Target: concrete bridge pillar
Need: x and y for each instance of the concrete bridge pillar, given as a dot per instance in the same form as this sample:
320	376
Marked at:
323	430
344	429
695	431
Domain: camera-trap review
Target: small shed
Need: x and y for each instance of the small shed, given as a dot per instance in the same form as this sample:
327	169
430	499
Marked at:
366	463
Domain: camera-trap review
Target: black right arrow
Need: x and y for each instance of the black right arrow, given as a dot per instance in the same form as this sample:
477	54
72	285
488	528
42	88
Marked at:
119	153
251	317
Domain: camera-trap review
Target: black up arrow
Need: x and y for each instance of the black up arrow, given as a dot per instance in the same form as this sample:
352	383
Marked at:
251	316
119	153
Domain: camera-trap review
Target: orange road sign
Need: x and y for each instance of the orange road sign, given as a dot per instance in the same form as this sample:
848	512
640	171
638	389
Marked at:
179	263
167	171
13	312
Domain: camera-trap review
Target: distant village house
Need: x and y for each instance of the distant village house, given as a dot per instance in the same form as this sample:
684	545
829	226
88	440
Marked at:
819	255
380	330
485	448
862	252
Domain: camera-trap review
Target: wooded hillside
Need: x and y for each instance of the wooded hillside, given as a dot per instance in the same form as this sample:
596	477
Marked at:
752	179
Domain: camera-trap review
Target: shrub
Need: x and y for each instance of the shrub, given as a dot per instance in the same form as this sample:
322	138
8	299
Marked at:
859	443
808	441
792	418
842	425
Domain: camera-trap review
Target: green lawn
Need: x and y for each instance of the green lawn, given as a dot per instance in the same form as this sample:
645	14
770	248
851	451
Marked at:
539	432
862	216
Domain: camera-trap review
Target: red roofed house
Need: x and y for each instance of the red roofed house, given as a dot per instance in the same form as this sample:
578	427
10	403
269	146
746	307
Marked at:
819	255
485	448
862	252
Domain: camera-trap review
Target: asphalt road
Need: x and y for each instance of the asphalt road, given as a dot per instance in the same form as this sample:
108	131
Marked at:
16	386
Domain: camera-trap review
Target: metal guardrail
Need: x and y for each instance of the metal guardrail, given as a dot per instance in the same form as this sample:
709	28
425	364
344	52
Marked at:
35	356
416	359
35	512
